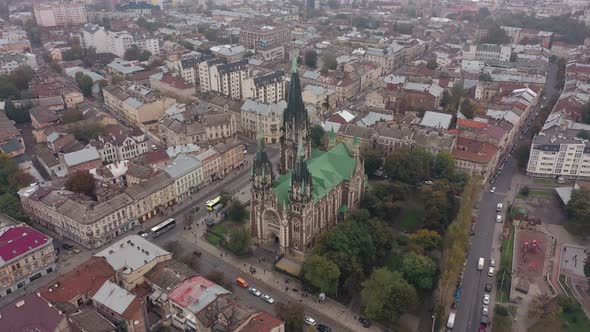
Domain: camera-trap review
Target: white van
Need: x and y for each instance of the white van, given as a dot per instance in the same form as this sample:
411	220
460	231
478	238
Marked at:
481	263
451	321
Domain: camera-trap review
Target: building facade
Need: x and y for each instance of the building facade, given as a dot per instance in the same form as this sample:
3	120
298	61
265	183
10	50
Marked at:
266	36
59	14
266	88
262	120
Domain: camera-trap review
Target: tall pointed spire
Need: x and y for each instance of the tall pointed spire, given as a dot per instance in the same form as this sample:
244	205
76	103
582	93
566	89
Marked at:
261	167
294	64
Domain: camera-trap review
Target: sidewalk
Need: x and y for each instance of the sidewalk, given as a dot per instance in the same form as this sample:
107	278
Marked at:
330	308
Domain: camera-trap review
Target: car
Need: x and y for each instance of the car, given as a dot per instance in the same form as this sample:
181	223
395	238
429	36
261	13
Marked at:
310	321
499	207
491	271
67	246
428	182
488	287
254	291
493	190
142	234
268	299
365	322
499	218
485	310
486	299
492	262
323	328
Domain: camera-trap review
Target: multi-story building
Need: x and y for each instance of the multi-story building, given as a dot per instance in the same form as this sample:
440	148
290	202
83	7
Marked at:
230	53
119	42
59	14
96	36
210	161
225	78
139	105
172	85
9	61
148	43
266	88
388	138
13	38
25	255
389	58
187	173
188	66
266	36
557	152
117	144
178	127
219	125
487	52
262	119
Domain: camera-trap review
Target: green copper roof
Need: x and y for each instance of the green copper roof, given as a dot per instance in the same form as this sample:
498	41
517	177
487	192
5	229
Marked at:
328	170
294	64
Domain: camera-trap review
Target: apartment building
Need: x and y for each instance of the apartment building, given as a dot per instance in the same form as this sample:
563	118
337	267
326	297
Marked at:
13	38
487	52
25	256
9	61
260	119
117	144
188	66
172	85
95	36
557	152
117	42
389	58
211	163
266	36
219	125
389	137
59	14
267	88
178	127
231	155
225	78
187	173
138	104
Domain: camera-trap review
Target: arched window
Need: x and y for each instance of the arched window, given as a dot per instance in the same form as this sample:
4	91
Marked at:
295	226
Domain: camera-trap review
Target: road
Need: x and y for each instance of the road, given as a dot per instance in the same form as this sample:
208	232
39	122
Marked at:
469	309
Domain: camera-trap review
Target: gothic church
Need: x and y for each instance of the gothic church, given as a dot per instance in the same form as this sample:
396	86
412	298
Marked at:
313	190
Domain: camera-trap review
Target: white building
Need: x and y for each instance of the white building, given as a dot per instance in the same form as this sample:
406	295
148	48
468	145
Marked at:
487	52
9	61
119	42
267	88
389	58
117	144
262	119
116	42
60	14
187	173
556	152
225	78
95	36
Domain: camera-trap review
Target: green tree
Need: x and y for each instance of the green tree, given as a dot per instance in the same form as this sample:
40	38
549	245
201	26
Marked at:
132	53
22	76
317	133
426	238
87	131
311	58
8	89
586	113
236	212
81	182
431	64
238	241
84	83
522	155
408	166
72	115
587	266
467	109
144	55
373	159
444	166
292	314
483	12
386	295
485	77
321	273
329	61
445	99
419	270
578	207
583	134
11	206
495	35
175	248
18	114
525	191
89	57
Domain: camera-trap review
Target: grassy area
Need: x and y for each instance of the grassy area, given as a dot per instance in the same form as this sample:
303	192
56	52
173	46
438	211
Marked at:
503	317
546	182
503	295
541	193
565	285
411	219
215	236
575	321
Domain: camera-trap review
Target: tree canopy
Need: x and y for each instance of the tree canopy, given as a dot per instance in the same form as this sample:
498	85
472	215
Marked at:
12	178
387	295
578	207
329	61
373	159
317	133
310	58
419	270
84	83
81	182
236	212
238	241
322	273
292	314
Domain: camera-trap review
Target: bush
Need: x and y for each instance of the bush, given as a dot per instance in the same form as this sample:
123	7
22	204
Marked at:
501	310
525	191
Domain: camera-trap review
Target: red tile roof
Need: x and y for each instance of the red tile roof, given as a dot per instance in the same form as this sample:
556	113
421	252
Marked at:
175	81
30	313
19	240
86	279
474	151
466	123
262	322
190	290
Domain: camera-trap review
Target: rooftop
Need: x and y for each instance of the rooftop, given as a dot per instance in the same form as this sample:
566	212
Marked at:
114	297
30	313
182	165
18	240
131	253
80	157
196	293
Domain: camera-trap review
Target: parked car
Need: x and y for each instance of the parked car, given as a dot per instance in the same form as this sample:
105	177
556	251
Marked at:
493	190
254	291
485	310
486	299
323	328
492	262
142	234
491	272
67	246
365	322
268	299
488	287
498	218
310	321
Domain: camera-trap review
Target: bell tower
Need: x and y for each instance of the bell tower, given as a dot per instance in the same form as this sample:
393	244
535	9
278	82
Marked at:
262	178
295	127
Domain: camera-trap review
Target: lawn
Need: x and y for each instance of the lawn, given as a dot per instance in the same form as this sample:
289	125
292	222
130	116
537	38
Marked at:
506	265
215	235
411	217
565	286
547	182
575	321
503	318
541	193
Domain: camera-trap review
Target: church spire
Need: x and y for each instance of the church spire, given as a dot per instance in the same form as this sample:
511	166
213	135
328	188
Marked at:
262	172
301	177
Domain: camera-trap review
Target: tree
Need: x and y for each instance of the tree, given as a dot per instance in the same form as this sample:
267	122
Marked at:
408	166
84	83
483	12
173	247
419	270
292	314
583	134
431	64
541	306
8	89
485	77
522	155
387	295
587	266
495	35
22	76
89	57
329	61
72	114
426	238
144	55
444	166
56	67
236	212
445	99
216	276
238	241
373	159
310	58
18	114
578	207
467	109
11	205
132	53
117	78
322	273
586	113
87	131
525	191
317	132
81	182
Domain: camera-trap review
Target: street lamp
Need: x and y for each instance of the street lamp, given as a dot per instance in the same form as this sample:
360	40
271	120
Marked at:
433	321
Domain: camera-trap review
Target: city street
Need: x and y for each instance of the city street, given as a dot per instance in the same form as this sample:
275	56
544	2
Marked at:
485	241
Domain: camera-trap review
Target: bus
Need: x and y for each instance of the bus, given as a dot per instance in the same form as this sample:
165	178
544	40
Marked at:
215	203
163	227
